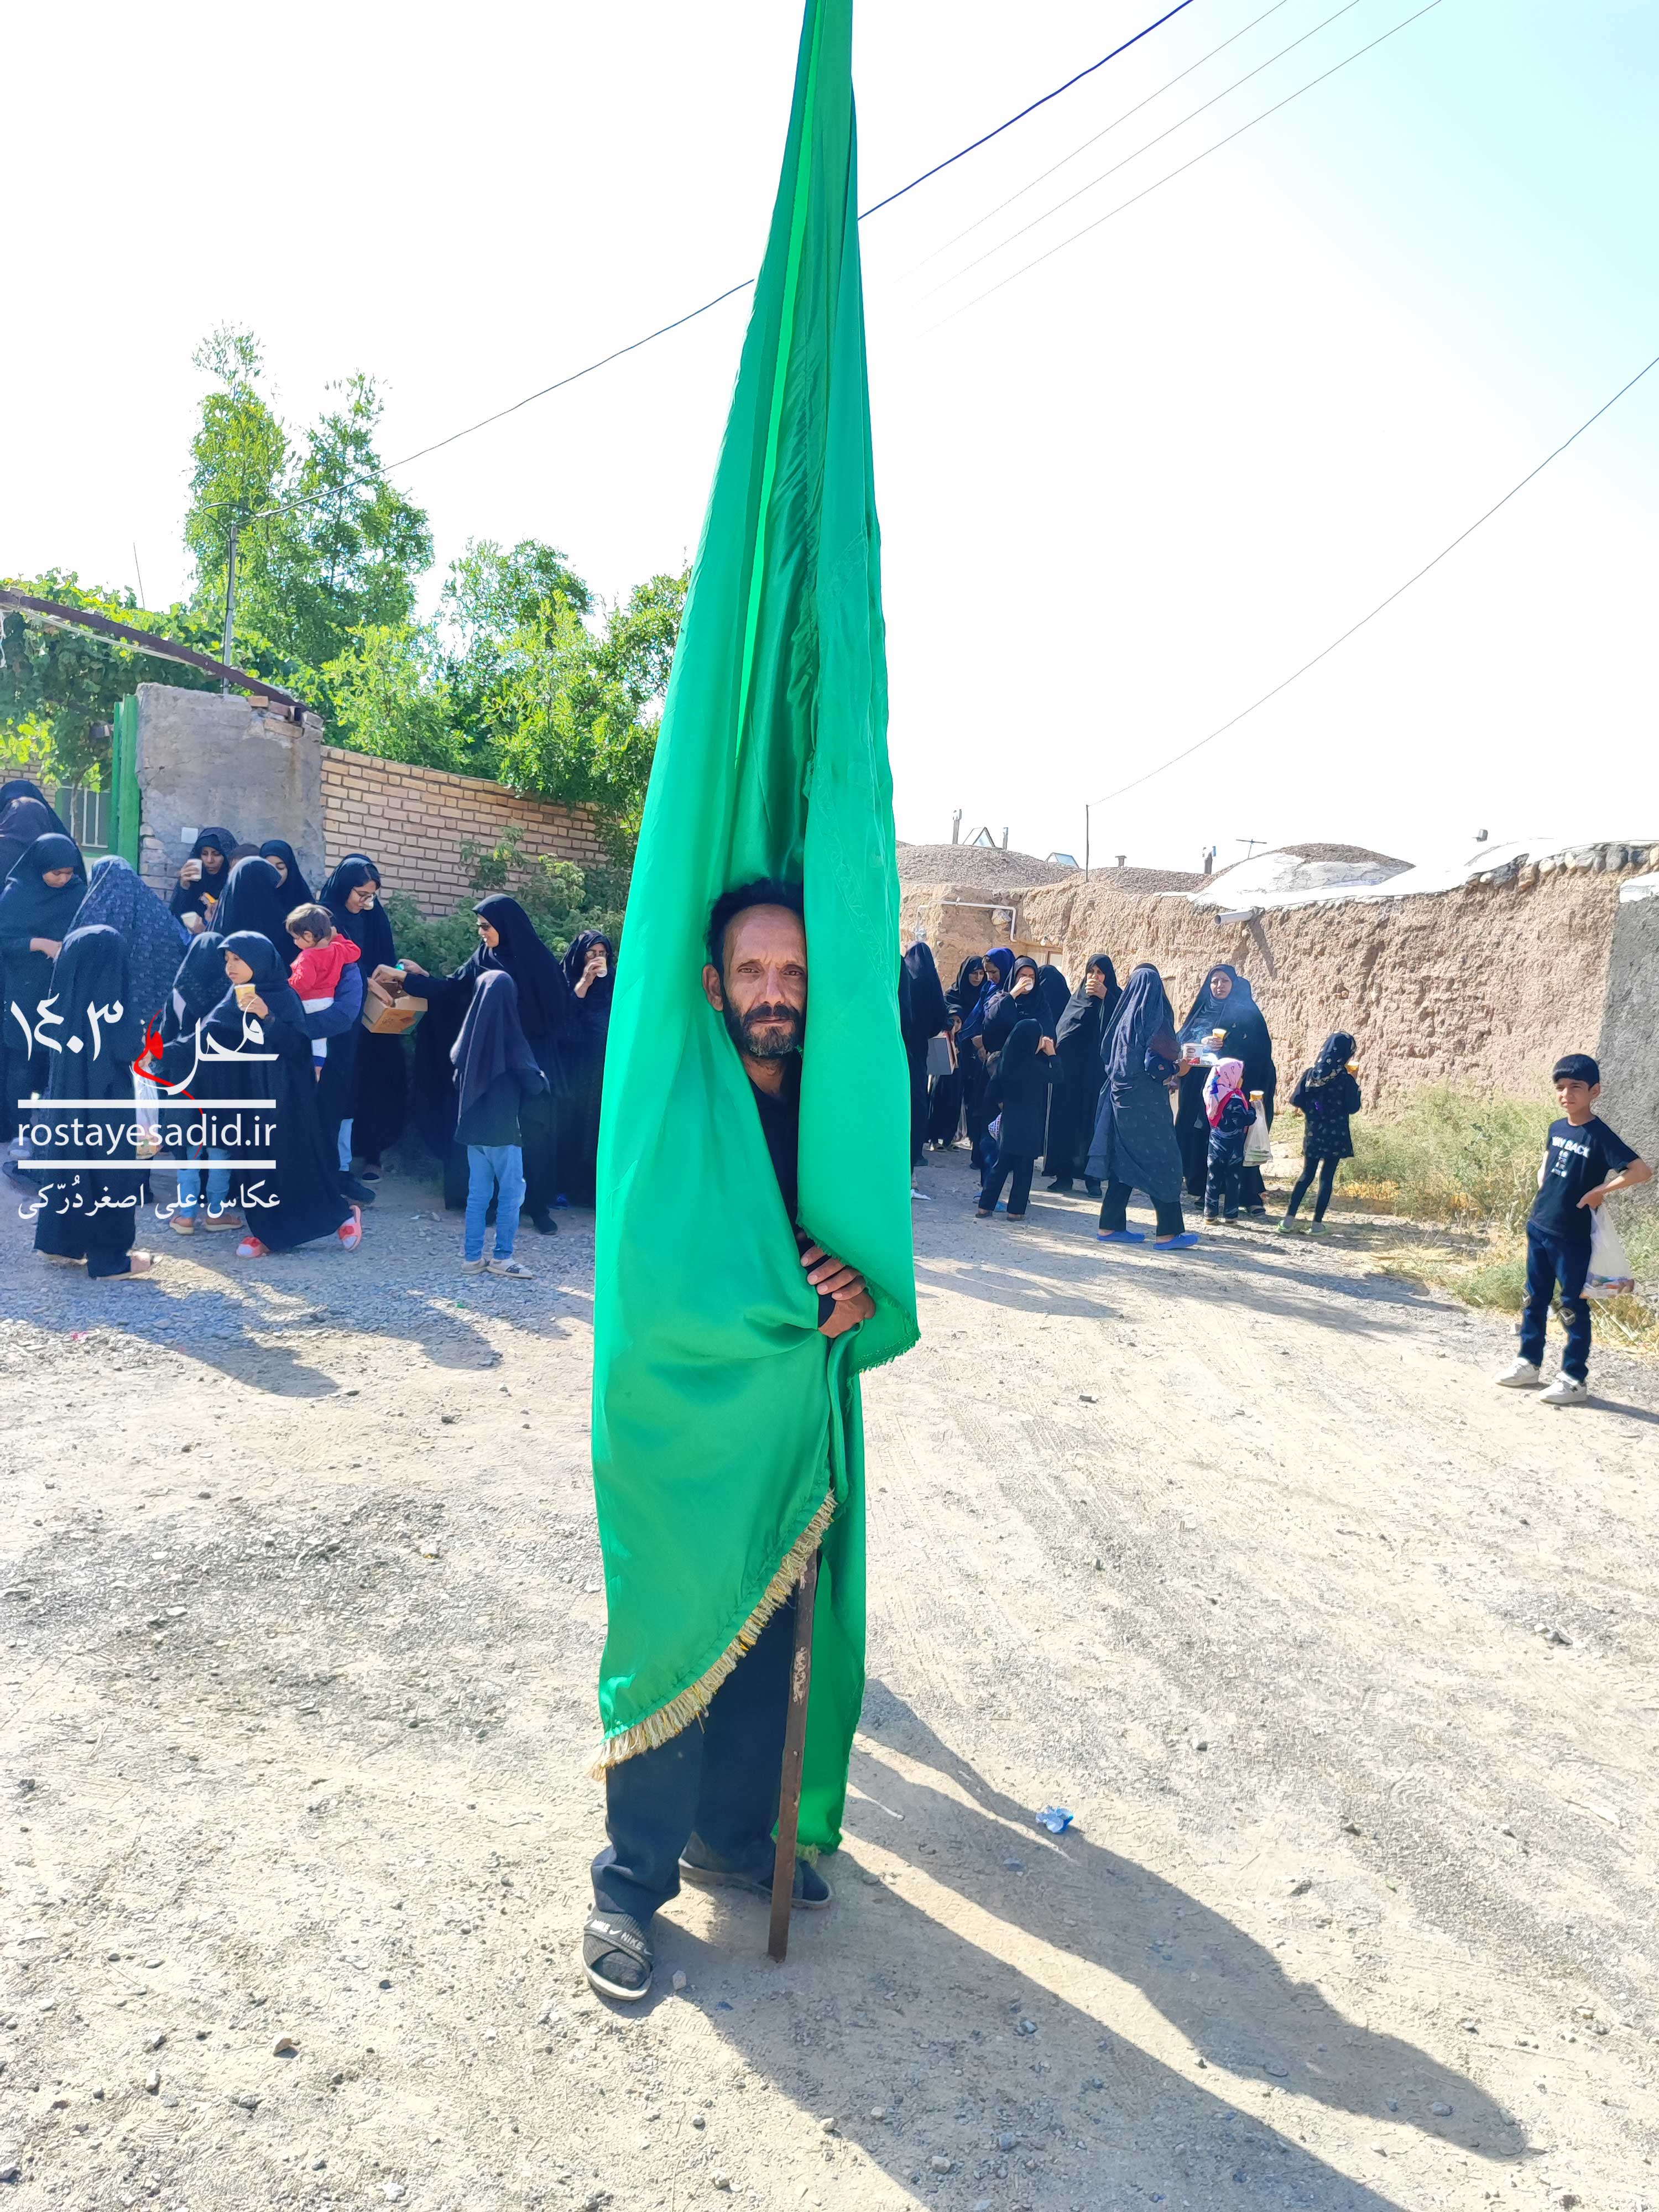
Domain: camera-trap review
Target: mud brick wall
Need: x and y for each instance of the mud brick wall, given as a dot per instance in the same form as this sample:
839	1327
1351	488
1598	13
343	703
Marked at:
413	822
1483	987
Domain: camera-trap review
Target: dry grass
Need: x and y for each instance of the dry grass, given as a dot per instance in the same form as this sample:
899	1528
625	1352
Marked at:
1454	1178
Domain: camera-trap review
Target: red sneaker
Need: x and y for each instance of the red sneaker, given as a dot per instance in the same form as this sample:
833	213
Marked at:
350	1233
251	1248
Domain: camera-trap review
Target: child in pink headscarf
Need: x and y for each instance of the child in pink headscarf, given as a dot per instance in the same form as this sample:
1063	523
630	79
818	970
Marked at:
1230	1115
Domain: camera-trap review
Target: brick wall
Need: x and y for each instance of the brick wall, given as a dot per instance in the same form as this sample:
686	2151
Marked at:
412	822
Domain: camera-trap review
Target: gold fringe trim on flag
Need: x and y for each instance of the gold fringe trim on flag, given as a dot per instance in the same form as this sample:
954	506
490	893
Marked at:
694	1701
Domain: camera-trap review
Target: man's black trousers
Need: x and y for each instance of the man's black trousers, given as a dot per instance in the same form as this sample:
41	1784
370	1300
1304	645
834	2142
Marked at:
719	1778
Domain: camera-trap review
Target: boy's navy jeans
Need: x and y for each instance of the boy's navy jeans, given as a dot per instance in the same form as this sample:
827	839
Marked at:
1550	1261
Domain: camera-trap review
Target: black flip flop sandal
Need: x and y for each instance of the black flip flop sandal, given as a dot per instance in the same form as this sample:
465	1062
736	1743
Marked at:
811	1893
612	1944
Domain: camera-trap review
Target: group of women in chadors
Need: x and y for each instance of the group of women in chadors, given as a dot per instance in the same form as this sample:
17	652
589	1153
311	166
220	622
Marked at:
112	995
1110	1090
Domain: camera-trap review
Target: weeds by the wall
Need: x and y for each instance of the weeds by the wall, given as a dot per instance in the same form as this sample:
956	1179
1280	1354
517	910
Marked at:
1456	1163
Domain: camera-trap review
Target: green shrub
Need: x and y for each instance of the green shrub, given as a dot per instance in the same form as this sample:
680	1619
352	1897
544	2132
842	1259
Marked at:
561	899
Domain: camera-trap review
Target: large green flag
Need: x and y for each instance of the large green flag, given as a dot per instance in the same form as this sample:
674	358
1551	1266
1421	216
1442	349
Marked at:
727	1434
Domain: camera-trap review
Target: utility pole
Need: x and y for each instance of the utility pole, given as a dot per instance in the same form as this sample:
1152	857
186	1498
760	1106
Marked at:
230	607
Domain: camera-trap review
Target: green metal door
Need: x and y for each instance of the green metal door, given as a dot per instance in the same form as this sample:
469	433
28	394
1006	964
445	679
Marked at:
123	783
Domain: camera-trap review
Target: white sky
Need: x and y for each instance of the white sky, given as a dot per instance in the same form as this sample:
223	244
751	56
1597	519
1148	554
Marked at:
1120	498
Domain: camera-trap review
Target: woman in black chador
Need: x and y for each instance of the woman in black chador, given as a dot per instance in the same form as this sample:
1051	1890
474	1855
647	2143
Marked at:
203	877
507	939
1225	1002
590	969
1134	1144
1077	1041
373	1096
951	1093
922	1017
1018	1095
38	902
90	1212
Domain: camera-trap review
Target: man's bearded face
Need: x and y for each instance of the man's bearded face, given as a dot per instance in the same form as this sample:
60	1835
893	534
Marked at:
763	987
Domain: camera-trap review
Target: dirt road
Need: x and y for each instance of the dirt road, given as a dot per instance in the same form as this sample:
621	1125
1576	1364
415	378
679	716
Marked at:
1341	1658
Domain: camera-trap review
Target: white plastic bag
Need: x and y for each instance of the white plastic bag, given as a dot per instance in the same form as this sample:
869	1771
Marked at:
1609	1275
1258	1140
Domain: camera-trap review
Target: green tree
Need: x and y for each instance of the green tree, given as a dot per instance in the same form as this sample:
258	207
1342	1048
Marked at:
553	705
392	695
238	471
350	545
324	545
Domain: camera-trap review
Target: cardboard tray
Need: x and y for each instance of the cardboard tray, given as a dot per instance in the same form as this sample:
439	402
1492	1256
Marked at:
383	1017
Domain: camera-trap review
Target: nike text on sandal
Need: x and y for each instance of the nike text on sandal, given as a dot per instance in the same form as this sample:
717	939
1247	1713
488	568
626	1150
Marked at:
616	1956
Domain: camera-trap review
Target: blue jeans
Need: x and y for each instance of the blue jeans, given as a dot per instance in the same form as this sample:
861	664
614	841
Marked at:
218	1183
1549	1261
493	1171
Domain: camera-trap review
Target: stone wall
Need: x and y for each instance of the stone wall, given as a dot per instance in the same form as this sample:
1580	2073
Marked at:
1483	987
1628	1047
204	758
413	822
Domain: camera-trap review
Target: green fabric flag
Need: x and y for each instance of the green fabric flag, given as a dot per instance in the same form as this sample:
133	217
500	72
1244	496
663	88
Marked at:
727	1434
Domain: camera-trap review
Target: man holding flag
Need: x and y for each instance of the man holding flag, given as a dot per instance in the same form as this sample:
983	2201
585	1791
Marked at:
728	1432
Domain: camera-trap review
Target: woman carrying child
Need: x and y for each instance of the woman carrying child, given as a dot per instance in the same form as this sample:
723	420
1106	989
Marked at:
1326	1095
1018	1087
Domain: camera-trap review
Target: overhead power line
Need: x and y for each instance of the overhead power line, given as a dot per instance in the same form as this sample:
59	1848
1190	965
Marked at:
289	506
1043	175
1031	110
1037	260
1191	116
1353	629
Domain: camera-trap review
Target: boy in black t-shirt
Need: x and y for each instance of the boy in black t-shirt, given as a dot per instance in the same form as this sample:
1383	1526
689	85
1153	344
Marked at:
1584	1163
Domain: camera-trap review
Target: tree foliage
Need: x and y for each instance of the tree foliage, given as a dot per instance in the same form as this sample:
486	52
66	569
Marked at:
522	674
326	546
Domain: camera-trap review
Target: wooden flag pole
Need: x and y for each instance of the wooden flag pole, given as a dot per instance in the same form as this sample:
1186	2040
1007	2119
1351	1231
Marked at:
794	1753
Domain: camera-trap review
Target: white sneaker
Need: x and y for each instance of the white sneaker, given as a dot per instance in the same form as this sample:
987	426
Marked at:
515	1270
1564	1391
1523	1376
477	1267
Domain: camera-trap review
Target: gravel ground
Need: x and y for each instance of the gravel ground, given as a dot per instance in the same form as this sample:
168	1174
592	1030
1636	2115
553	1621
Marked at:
1342	1659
